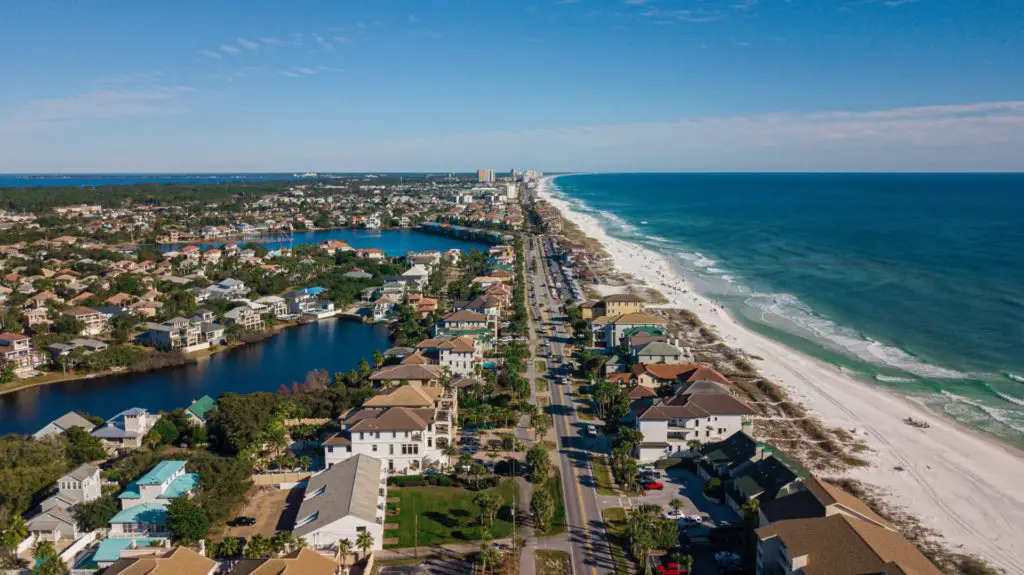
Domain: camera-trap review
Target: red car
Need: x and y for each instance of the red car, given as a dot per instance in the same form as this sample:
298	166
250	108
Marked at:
653	486
672	569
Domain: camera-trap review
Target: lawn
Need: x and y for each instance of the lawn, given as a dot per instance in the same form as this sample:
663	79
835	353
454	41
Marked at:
550	562
615	523
554	488
445	515
603	477
542	385
584	406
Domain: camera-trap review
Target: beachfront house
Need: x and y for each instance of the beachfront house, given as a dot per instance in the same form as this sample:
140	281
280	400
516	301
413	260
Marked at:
612	305
610	331
304	561
127	429
700	414
342	502
408	427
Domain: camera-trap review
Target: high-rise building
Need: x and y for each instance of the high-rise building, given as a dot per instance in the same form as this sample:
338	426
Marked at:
485	176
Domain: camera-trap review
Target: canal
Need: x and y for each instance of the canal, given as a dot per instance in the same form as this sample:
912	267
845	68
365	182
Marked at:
332	344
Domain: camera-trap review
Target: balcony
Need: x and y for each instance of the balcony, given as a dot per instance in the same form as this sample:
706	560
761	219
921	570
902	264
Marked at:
417	436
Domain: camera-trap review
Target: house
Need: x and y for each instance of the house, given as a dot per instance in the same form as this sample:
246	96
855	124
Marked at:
17	350
88	346
198	410
383	307
95	321
305	561
343	501
62	424
611	330
700	415
275	305
228	289
729	457
335	247
417	276
398	374
408	427
658	374
371	254
164	482
177	333
36	316
459	354
55	519
612	305
838	544
244	316
765	480
144	501
178	561
816	498
127	429
358	274
465	322
656	352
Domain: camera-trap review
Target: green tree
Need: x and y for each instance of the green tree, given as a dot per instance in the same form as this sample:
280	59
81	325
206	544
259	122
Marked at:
344	550
15	530
186	520
97	513
489	503
7	373
539	462
48	561
258	547
364	541
83	447
229	548
543	509
167	430
489	557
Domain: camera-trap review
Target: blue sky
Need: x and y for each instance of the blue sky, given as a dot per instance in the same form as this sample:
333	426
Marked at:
604	85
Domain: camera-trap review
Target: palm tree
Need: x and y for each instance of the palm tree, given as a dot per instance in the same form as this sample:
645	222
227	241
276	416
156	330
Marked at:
15	531
364	541
378	359
676	504
344	550
449	453
694	445
229	548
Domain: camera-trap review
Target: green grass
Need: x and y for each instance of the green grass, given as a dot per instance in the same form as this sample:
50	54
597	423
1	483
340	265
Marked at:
541	365
584	405
550	562
615	523
445	515
603	477
542	385
558	523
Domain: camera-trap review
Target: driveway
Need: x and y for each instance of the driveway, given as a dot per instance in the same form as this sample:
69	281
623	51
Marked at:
274	510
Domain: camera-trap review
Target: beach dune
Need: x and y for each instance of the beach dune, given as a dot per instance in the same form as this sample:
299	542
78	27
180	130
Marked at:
961	484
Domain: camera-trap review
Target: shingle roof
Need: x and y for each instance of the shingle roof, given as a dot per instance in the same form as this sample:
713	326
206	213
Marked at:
390	419
464	315
622	298
638	318
405	396
179	561
841	545
409	372
305	561
348	488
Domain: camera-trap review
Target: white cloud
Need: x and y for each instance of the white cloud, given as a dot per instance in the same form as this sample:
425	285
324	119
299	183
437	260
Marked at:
211	54
97	104
248	44
322	42
230	49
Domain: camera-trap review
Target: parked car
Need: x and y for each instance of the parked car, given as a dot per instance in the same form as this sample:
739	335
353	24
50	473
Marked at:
673	514
648	468
653	485
466	440
242	521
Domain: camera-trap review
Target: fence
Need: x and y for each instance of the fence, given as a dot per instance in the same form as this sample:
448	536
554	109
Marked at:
278	478
306	421
68	555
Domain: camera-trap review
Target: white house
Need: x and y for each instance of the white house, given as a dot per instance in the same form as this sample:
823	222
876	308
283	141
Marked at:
705	413
417	276
343	501
55	519
228	289
383	307
128	428
275	305
408	427
459	355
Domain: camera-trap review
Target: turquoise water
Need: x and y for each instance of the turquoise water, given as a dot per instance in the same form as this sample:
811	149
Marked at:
911	281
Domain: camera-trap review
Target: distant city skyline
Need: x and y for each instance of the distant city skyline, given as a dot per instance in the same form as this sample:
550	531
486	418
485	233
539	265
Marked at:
557	85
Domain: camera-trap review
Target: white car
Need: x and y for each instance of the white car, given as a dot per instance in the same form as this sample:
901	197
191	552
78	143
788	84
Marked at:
672	514
648	469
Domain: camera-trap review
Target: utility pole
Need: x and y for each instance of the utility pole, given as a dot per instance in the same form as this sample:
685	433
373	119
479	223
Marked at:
415	532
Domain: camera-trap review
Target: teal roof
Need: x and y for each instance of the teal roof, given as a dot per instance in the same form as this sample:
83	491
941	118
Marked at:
202	406
110	549
161	472
181	485
152	513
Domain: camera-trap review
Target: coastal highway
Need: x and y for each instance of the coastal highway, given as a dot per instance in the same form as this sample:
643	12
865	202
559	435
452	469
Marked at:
589	551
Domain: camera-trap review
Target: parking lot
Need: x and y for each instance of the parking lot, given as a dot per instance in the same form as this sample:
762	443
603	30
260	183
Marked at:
274	510
689	489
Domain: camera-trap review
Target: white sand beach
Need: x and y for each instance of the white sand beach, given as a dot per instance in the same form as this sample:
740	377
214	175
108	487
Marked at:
963	485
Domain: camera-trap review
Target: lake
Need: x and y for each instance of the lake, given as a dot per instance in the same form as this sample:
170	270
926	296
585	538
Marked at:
333	344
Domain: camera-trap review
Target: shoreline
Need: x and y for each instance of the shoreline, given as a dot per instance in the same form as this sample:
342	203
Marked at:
192	359
959	482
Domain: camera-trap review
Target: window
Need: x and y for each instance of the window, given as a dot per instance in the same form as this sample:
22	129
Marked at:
361	434
378	435
348	449
360	529
391	449
374	448
330	450
430	442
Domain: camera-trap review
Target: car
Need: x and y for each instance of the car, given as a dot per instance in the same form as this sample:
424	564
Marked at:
653	486
431	472
242	520
673	514
469	449
648	468
464	440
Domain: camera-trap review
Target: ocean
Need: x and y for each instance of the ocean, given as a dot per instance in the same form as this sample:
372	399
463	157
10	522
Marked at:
910	281
92	180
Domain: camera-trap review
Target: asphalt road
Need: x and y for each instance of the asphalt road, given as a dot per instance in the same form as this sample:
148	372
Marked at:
589	552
